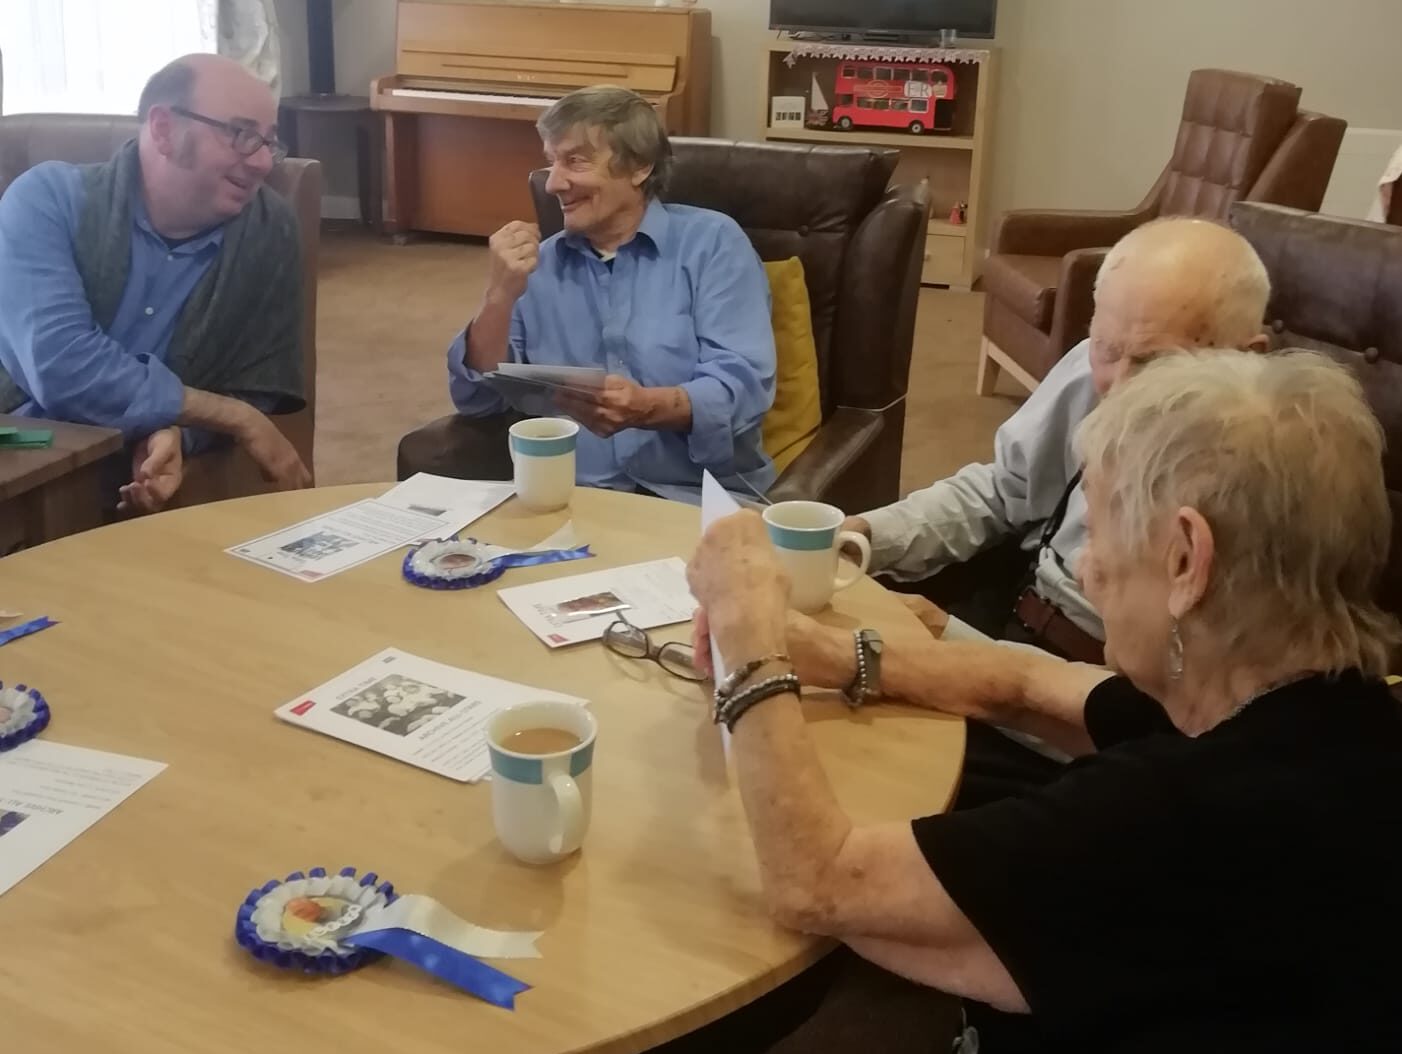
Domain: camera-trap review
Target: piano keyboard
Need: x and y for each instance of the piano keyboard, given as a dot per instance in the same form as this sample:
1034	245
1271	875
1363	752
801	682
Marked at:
470	96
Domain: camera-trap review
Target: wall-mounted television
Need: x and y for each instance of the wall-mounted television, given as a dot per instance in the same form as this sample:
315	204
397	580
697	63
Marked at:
899	18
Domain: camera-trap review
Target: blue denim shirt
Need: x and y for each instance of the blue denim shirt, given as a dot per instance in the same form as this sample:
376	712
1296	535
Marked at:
49	342
684	304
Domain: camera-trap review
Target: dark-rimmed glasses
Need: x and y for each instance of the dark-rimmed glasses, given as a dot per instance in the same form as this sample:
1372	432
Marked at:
623	638
245	141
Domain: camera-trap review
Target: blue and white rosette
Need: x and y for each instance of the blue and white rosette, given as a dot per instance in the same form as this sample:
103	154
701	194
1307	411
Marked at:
329	924
467	563
23	715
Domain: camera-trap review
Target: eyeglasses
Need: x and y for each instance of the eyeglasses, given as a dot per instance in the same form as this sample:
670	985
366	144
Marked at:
245	141
623	638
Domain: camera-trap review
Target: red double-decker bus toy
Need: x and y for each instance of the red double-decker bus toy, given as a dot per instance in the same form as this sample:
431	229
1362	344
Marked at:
916	96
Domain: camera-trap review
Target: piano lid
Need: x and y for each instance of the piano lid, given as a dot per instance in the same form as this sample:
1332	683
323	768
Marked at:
541	49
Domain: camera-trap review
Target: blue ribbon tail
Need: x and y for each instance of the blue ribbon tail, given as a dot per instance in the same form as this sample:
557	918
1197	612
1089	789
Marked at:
457	968
24	629
544	556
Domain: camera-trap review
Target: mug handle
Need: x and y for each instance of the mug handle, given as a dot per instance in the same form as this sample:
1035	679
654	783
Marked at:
570	806
852	538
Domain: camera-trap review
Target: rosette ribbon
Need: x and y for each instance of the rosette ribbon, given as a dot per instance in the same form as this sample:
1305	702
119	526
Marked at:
24	713
468	563
330	924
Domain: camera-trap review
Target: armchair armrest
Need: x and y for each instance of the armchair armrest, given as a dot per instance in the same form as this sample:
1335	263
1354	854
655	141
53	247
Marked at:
461	447
1299	171
841	440
1075	299
1056	233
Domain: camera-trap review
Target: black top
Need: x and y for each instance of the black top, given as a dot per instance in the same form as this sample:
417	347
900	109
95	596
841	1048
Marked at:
1241	890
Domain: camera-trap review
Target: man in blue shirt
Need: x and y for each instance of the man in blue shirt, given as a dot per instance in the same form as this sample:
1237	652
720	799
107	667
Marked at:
671	300
161	289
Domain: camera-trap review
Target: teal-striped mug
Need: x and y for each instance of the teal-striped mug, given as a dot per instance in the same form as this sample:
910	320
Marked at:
542	458
807	537
541	755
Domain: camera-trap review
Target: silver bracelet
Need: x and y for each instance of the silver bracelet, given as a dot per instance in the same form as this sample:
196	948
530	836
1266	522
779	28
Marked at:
732	709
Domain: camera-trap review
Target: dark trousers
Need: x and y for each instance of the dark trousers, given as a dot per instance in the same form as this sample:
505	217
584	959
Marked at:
981	592
843	1005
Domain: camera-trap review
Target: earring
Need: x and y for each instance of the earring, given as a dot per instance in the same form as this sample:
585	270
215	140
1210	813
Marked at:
1175	653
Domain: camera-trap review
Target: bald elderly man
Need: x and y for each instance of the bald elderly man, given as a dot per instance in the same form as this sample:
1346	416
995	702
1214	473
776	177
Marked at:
992	550
159	293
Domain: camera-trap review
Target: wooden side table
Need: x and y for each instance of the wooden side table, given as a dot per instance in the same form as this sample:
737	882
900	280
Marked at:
354	108
46	494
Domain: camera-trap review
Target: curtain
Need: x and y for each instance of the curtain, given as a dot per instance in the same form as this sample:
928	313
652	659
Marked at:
247	31
92	56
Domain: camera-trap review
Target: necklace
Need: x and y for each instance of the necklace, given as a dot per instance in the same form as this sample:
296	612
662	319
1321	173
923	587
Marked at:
1274	686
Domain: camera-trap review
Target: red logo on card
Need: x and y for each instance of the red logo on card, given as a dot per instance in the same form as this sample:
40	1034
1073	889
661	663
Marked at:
302	707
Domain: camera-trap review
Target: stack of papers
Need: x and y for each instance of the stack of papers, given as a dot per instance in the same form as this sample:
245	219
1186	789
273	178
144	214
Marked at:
415	710
530	388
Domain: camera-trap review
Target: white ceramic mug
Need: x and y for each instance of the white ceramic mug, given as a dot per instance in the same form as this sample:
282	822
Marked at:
807	537
542	456
541	802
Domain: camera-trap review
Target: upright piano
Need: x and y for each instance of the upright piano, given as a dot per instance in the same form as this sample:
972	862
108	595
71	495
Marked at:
471	79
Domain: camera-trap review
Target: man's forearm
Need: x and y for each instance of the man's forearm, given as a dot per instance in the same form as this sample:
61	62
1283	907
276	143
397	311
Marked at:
666	410
216	413
489	335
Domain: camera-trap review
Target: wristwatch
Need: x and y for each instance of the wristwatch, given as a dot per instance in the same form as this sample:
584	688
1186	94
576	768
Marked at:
866	686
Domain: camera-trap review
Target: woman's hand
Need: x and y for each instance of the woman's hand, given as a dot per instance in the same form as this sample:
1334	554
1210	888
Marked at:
742	589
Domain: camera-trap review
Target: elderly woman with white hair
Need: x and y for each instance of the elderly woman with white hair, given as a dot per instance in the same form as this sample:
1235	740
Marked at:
1221	868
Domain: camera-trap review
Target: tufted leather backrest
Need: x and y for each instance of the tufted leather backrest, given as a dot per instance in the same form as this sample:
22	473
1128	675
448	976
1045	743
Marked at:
804	201
1336	287
1232	125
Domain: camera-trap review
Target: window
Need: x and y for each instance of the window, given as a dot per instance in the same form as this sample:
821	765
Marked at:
919	75
849	71
883	73
94	56
844	100
901	75
919	105
864	104
900	104
882	104
864	73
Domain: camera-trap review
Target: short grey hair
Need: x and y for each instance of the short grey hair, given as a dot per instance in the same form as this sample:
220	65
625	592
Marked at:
630	127
1220	260
1283	458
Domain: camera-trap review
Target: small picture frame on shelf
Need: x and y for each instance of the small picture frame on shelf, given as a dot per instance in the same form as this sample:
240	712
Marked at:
787	111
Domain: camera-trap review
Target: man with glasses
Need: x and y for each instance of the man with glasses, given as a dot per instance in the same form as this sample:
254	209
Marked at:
160	293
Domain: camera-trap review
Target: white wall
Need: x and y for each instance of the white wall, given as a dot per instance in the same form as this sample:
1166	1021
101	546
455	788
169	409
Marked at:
1091	89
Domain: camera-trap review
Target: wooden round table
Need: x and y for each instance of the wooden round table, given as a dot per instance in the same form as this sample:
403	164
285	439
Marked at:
171	650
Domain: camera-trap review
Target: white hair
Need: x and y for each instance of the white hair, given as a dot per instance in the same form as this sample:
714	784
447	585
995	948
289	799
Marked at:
1283	458
1230	285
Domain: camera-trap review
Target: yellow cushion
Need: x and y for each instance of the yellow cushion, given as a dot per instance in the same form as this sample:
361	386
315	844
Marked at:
1394	680
793	420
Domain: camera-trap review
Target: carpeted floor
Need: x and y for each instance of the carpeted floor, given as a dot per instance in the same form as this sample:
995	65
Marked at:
386	314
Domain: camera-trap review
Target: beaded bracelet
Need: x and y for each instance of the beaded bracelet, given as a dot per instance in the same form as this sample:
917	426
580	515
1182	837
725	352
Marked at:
729	712
726	688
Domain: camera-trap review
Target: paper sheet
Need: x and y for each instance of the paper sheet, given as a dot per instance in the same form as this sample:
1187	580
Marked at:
421	507
455	503
51	793
414	710
571	610
716	503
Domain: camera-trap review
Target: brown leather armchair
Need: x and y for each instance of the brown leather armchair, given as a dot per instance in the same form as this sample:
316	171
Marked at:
1242	138
28	139
1336	287
861	247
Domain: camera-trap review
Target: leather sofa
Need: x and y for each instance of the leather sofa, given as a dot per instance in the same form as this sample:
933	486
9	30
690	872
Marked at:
28	139
861	245
1241	138
1336	287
